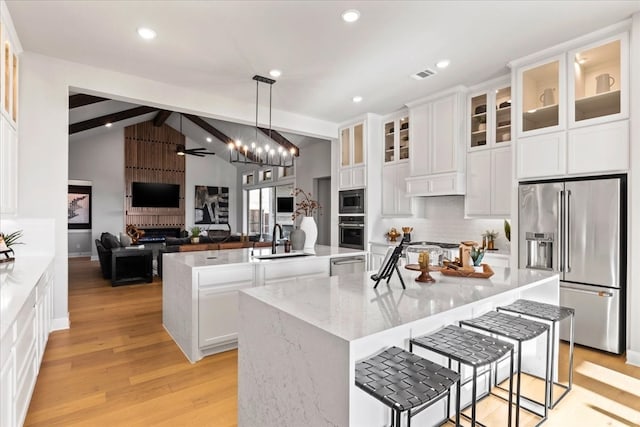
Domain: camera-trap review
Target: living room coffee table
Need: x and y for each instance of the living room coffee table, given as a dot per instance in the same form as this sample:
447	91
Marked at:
131	264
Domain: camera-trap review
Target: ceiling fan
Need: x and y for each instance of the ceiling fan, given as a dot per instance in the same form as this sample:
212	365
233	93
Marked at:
199	152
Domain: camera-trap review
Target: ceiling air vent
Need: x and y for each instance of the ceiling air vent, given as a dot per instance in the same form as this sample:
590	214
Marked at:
423	74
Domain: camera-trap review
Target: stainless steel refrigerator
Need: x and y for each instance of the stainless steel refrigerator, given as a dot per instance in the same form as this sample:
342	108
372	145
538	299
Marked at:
578	227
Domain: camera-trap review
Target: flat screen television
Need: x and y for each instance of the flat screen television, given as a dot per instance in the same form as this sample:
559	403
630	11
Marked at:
155	195
284	205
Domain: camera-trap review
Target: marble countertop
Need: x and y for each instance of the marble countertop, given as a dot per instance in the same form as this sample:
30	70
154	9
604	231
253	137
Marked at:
348	307
243	256
17	280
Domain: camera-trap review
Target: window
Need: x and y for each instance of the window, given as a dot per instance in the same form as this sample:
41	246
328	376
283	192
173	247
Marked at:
260	217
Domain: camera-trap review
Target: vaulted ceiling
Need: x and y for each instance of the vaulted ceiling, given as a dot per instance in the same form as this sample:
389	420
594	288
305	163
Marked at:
217	46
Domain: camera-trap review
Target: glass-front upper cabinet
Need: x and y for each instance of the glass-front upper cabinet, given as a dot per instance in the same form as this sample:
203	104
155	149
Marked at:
490	117
396	139
479	120
503	115
352	145
599	84
542	97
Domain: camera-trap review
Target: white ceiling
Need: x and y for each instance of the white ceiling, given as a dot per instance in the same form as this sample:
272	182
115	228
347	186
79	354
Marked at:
218	46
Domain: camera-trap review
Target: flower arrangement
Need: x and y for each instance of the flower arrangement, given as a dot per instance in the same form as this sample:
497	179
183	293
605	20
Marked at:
305	207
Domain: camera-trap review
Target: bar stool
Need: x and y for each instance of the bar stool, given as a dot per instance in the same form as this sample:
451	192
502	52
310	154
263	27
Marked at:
469	348
553	314
520	330
404	381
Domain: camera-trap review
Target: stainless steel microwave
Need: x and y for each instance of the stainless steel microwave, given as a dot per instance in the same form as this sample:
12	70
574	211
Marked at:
351	202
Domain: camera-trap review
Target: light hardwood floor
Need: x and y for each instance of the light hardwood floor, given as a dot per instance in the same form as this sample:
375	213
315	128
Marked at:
116	366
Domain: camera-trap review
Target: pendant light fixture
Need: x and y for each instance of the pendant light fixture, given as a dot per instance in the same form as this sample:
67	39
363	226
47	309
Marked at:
263	155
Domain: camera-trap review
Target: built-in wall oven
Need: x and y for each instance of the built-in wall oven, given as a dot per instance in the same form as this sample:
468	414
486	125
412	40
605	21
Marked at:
351	231
351	202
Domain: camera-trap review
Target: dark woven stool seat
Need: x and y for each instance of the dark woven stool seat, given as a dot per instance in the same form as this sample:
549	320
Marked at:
520	330
469	348
404	381
550	313
515	328
464	345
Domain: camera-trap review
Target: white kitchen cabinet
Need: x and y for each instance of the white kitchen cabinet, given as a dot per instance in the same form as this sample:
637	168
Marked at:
9	71
489	115
218	313
542	97
304	267
599	82
7	383
573	107
489	183
396	138
601	148
8	168
44	304
542	155
437	158
377	253
394	197
352	173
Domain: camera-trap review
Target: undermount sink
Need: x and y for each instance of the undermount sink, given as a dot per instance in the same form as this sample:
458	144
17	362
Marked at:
281	255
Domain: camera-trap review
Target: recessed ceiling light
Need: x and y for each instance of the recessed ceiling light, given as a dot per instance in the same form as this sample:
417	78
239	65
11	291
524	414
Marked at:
108	125
209	139
443	63
350	15
357	99
275	73
146	33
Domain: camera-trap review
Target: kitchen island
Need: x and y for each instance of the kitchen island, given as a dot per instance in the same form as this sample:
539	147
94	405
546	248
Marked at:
299	342
200	290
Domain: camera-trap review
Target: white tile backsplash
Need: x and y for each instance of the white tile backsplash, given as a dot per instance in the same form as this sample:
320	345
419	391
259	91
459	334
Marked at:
441	219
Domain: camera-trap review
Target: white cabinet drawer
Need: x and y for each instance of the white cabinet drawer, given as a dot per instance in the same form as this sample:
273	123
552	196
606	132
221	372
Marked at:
25	384
26	341
216	276
299	268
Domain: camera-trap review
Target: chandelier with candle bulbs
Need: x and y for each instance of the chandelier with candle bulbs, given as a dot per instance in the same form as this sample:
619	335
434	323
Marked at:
261	154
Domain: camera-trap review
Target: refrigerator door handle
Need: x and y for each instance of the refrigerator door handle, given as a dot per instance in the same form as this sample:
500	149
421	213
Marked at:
560	230
567	252
596	293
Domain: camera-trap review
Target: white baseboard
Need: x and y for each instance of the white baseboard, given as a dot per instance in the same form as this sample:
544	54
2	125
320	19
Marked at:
60	323
94	258
633	357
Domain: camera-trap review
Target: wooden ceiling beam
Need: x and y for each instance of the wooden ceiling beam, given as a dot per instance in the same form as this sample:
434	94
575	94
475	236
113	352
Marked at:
207	127
109	118
82	99
278	138
161	117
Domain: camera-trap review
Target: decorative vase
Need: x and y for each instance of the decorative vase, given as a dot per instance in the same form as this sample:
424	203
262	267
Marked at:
297	237
308	225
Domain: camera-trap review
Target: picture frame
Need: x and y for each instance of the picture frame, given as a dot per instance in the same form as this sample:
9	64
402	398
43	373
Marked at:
79	205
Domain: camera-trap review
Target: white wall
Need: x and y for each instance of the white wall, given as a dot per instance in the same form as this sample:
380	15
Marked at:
43	136
100	159
442	220
314	162
212	171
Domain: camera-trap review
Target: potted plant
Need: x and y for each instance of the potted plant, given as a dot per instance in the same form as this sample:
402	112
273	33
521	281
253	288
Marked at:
6	241
195	234
490	237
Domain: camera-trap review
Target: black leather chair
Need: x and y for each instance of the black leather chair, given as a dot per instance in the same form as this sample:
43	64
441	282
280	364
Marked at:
104	255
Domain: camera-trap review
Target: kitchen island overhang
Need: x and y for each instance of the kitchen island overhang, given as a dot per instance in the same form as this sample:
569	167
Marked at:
299	342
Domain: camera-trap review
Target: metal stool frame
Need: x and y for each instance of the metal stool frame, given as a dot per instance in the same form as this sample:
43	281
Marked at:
537	329
554	314
386	376
485	351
